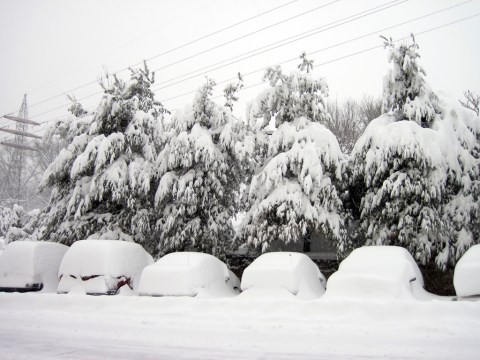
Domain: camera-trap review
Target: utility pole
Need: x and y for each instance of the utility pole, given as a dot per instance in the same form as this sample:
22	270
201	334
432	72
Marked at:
17	168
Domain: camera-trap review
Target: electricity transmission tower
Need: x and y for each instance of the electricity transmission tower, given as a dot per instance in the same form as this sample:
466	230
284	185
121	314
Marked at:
16	177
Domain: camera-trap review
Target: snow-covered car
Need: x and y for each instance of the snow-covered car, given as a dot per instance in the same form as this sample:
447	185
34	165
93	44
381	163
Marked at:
102	267
188	274
387	272
293	272
466	278
30	266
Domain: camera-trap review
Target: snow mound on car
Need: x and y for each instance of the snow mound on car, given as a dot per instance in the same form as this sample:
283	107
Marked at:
292	271
188	274
31	262
377	272
466	278
110	259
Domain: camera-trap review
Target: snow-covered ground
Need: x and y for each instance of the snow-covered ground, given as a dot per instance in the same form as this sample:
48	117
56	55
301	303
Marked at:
51	326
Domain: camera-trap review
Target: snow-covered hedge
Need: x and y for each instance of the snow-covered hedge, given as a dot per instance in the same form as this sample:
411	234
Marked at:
294	272
101	266
466	279
188	274
24	263
387	272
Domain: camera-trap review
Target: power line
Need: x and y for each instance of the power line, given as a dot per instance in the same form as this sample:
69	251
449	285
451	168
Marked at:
221	30
259	30
245	36
333	60
172	50
124	44
298	37
282	43
321	64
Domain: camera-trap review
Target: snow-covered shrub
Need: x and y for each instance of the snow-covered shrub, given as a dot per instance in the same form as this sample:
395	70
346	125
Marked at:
102	266
17	224
11	217
188	274
377	272
466	278
295	191
103	181
30	226
31	265
294	272
416	183
199	178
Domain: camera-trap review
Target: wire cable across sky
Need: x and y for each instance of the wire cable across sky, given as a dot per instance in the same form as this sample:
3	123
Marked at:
241	58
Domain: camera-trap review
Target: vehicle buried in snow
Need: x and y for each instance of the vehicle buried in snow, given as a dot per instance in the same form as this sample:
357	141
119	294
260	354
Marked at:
2	245
288	272
466	278
384	272
27	266
102	267
188	274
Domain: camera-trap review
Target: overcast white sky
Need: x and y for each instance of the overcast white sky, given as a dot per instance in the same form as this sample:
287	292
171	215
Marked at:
51	47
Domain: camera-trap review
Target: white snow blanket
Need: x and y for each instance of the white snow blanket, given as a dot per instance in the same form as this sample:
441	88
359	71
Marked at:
188	274
294	272
31	262
377	272
108	260
78	327
466	278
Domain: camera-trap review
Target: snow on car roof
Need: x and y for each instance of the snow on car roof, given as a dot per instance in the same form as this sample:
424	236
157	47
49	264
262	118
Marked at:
290	270
377	272
26	261
18	258
466	278
372	259
185	273
104	257
185	259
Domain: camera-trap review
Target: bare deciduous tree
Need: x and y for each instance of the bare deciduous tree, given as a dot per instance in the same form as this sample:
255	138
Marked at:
36	164
349	119
472	101
370	108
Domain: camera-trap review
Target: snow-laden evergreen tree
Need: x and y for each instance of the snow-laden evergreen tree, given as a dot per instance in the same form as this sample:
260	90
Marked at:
199	177
415	168
406	94
104	179
462	210
294	192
